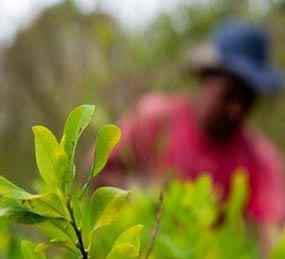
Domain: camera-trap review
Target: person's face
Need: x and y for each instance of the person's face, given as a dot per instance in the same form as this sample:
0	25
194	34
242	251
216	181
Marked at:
224	103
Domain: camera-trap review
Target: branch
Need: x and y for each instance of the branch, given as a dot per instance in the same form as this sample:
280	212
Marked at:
77	231
157	224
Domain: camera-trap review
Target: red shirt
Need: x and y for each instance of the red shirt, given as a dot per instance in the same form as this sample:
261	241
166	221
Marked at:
162	132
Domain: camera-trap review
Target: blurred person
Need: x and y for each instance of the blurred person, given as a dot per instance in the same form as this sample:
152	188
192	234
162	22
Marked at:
209	133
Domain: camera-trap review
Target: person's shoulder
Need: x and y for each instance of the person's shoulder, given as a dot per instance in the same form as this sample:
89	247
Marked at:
267	194
162	104
153	111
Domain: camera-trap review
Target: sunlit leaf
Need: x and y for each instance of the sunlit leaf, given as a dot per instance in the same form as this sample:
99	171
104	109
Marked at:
30	251
58	230
75	124
127	244
123	251
106	204
48	205
14	210
101	241
50	156
278	251
107	138
10	190
76	205
238	196
104	209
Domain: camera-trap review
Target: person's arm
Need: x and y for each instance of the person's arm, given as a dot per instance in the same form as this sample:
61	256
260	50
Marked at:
268	235
267	204
142	129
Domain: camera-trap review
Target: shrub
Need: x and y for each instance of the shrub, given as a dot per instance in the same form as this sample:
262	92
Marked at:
71	219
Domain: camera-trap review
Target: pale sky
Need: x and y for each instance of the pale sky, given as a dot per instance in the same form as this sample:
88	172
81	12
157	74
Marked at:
17	13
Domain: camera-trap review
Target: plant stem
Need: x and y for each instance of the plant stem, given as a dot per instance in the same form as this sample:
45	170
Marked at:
156	228
77	231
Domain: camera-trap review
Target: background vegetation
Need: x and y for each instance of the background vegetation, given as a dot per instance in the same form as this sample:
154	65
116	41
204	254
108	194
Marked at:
66	57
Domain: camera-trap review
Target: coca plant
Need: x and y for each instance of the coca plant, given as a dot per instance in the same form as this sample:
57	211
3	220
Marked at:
70	218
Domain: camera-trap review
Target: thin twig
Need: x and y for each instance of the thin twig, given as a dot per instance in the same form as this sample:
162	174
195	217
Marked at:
157	224
77	231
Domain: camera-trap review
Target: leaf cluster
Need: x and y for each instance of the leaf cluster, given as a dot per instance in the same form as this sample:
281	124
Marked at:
79	223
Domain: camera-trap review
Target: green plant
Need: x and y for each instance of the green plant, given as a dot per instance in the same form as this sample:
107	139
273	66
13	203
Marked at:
193	224
71	219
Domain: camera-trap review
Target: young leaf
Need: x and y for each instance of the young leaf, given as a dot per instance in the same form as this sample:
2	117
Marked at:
131	235
107	138
66	245
41	248
127	245
12	209
78	212
58	230
238	196
278	251
29	251
75	124
123	251
49	205
10	190
50	156
101	241
106	204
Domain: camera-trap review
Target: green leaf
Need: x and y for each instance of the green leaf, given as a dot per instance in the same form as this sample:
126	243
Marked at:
107	138
123	251
41	248
49	205
106	204
58	230
75	124
238	196
10	190
103	211
278	251
14	210
131	235
30	251
77	210
101	241
50	156
127	245
66	245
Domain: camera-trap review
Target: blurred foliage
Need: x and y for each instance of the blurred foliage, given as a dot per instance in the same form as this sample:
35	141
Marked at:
65	57
192	224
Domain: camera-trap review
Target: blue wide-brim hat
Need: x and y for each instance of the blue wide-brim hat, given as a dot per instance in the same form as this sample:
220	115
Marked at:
243	50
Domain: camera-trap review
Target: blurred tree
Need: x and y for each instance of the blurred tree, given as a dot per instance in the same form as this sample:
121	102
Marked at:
47	70
66	57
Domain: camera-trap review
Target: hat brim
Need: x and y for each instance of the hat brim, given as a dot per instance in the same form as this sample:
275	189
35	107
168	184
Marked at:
264	80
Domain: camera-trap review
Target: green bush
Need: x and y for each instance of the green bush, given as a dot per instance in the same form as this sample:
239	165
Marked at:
193	224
